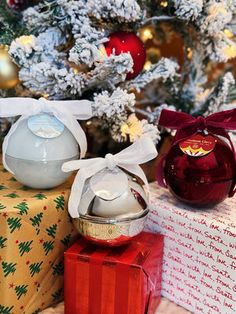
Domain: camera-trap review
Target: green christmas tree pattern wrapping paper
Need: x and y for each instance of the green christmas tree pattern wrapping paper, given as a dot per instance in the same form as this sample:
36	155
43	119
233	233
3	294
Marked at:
35	230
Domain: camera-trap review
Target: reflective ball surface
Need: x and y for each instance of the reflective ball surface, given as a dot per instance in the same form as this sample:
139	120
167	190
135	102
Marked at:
8	70
113	208
127	42
110	232
201	181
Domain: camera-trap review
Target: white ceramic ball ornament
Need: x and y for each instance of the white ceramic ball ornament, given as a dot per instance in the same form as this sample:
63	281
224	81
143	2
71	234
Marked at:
36	161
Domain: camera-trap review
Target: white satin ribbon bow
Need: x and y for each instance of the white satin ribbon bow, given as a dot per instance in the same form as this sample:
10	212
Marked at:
66	111
129	159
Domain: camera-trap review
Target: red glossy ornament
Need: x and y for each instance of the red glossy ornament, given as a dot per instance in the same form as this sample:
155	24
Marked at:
16	4
201	181
127	42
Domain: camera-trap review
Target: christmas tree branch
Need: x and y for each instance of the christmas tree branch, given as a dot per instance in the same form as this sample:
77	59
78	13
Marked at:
153	19
11	25
218	96
164	69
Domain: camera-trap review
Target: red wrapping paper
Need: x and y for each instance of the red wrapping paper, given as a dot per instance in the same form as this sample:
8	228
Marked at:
124	280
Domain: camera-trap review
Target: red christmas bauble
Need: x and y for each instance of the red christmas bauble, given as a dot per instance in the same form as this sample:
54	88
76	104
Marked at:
202	181
127	42
16	4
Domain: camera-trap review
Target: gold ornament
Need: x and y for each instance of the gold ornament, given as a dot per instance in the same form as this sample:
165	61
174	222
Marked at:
8	70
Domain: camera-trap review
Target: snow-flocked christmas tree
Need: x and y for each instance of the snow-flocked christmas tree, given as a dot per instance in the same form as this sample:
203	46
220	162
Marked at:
60	49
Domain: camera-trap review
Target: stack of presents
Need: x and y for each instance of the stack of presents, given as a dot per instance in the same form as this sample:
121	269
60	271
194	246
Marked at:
186	255
124	258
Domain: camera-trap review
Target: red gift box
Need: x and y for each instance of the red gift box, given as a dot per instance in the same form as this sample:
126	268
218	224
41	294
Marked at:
124	280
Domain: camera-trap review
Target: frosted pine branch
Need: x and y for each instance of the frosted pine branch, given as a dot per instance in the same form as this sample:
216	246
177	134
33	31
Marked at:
66	31
220	49
113	105
121	10
43	79
195	79
28	50
112	110
219	95
111	71
84	52
217	16
164	69
188	9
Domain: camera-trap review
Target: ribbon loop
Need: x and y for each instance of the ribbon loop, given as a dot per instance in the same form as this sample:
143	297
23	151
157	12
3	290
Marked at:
129	159
67	112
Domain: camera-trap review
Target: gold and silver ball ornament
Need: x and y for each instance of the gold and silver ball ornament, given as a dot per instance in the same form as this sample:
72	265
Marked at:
108	200
8	70
113	212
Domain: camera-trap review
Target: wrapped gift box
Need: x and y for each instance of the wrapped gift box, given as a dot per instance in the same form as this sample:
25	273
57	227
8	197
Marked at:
124	280
199	267
35	230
